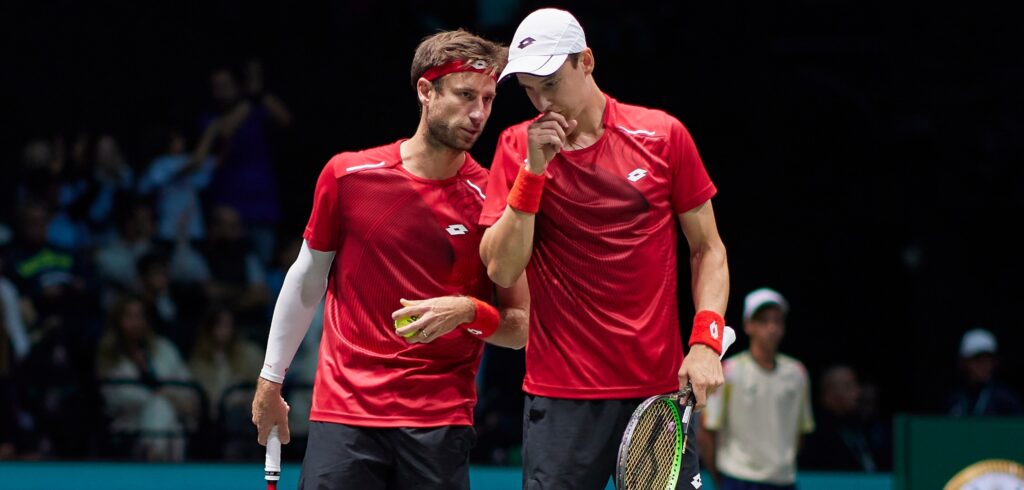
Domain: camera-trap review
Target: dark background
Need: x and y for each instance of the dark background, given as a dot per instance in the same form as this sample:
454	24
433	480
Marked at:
867	152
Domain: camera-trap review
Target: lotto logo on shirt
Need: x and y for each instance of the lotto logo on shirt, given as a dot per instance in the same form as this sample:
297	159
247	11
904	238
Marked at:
456	230
637	175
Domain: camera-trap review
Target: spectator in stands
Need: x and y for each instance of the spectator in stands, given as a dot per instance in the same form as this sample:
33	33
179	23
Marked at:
46	178
115	261
842	440
37	176
176	177
173	309
245	179
224	364
755	421
980	394
237	276
112	181
55	280
60	311
134	367
14	346
222	358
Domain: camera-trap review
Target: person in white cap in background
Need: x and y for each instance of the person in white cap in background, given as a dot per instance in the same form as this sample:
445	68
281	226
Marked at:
589	198
755	423
980	394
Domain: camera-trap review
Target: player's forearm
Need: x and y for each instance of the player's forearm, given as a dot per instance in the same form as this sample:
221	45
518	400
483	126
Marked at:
507	245
710	277
513	330
303	288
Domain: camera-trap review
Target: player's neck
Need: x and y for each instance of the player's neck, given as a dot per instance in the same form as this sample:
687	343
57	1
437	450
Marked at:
590	122
430	161
763	356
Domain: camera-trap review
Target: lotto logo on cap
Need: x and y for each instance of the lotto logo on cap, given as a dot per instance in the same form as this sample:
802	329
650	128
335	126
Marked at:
542	43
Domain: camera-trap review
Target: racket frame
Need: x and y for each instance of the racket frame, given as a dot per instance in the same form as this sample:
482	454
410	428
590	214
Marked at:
683	398
682	426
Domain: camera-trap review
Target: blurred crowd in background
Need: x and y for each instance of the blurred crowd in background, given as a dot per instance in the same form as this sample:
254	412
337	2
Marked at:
140	257
138	286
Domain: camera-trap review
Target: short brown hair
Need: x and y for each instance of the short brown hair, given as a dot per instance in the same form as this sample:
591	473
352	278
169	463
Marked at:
574	58
438	49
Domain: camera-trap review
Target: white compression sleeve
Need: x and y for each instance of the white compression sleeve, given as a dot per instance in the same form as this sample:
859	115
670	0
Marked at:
304	286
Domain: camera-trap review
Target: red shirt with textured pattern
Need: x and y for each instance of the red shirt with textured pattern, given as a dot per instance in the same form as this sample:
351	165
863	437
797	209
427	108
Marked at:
604	320
396	236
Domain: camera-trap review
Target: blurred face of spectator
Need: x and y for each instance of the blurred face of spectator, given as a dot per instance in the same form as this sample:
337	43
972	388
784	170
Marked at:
81	149
39	155
224	330
177	143
223	87
766	327
133	322
106	149
227	225
155	278
253	73
981	368
108	154
142	220
35	219
139	224
841	390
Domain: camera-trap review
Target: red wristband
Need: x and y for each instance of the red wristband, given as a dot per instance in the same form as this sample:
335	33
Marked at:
707	329
486	321
526	191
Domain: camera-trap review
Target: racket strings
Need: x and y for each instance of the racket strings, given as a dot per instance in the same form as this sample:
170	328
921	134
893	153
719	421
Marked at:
650	459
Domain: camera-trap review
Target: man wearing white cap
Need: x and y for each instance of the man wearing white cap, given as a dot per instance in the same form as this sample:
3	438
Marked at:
981	395
586	198
754	423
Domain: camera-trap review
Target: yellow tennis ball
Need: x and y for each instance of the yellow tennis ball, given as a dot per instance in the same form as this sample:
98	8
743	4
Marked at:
401	322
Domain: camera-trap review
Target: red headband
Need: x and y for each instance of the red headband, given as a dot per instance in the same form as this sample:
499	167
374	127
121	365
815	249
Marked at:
454	66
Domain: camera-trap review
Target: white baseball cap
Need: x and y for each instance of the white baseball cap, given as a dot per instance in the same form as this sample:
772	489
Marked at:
542	42
977	341
759	298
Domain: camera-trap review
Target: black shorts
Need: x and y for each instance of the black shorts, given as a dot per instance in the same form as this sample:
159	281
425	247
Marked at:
574	444
342	456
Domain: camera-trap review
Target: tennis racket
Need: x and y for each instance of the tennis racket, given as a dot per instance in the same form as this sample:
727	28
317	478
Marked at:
652	449
272	466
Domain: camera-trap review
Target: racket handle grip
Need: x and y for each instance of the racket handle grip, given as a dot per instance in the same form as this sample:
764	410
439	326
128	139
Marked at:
728	337
272	466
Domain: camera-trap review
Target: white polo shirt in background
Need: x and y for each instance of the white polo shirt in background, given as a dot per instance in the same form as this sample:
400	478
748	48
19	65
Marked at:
758	416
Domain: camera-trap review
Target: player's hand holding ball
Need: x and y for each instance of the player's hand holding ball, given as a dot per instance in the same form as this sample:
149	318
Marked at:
402	322
424	321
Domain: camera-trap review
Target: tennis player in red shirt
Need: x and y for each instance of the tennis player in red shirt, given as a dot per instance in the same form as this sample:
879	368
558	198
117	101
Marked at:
393	233
589	198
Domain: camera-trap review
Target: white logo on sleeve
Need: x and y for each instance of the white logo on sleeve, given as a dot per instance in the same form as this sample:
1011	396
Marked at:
457	230
474	331
714	330
696	481
637	175
364	167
